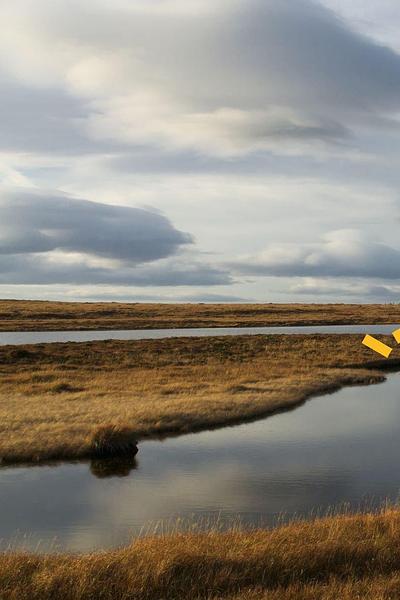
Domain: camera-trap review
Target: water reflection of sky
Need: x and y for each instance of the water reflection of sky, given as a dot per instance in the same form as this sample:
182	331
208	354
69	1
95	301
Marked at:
39	337
341	448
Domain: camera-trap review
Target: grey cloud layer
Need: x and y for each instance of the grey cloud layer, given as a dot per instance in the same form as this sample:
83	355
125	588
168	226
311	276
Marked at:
46	120
53	239
29	270
31	223
158	91
365	291
220	77
41	120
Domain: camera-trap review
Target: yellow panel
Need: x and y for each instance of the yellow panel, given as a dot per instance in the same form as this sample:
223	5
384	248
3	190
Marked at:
377	346
396	335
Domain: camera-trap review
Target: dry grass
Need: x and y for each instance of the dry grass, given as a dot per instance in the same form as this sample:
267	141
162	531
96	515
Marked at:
24	315
53	397
112	440
336	558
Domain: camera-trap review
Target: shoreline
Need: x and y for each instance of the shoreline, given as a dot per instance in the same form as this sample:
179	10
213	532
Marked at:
48	328
163	434
337	556
341	556
239	384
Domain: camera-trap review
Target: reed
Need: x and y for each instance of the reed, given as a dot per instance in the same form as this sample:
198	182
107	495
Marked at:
339	557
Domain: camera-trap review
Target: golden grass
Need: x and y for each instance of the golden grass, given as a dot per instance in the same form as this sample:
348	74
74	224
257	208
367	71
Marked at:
32	315
335	558
53	397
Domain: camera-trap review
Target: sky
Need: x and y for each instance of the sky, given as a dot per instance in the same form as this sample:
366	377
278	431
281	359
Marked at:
200	150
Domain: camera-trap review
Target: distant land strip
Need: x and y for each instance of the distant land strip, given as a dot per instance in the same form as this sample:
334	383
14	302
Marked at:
33	315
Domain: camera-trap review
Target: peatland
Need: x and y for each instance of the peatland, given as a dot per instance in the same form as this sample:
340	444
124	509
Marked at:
34	315
58	400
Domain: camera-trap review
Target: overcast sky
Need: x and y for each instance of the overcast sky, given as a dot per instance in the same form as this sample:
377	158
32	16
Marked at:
202	150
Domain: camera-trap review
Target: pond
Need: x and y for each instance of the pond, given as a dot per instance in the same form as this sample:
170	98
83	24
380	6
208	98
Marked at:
336	449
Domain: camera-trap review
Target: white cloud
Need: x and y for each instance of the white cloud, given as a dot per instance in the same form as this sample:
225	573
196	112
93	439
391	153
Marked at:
343	253
290	75
250	123
354	289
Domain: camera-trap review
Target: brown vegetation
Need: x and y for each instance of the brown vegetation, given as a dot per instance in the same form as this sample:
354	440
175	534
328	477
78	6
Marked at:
340	557
112	440
53	397
24	315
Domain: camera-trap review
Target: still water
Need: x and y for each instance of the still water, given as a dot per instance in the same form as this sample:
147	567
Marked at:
41	337
335	449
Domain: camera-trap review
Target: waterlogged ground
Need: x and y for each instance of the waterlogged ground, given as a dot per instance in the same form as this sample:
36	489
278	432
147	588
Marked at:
333	450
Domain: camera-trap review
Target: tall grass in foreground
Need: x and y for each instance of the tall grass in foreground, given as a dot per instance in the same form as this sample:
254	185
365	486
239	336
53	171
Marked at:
338	557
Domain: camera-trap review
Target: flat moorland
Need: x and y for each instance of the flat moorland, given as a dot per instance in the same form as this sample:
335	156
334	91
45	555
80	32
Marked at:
336	558
27	315
55	397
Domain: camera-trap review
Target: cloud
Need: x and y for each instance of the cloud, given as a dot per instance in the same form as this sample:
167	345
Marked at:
134	296
41	120
31	222
299	76
377	19
55	239
245	121
343	253
223	78
48	269
356	289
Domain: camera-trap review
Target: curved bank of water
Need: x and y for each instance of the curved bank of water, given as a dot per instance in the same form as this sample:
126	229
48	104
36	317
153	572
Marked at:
332	450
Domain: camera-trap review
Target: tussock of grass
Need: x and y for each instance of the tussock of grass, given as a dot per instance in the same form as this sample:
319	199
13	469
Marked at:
54	397
112	440
61	387
33	315
336	558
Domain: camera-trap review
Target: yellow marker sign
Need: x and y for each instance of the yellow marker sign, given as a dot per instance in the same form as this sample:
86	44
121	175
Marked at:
378	346
396	335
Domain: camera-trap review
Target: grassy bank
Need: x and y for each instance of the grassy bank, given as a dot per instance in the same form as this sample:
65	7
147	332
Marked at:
29	315
54	398
346	558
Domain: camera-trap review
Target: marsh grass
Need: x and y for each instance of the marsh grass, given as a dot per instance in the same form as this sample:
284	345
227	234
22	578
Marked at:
334	558
54	397
111	441
61	400
34	315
